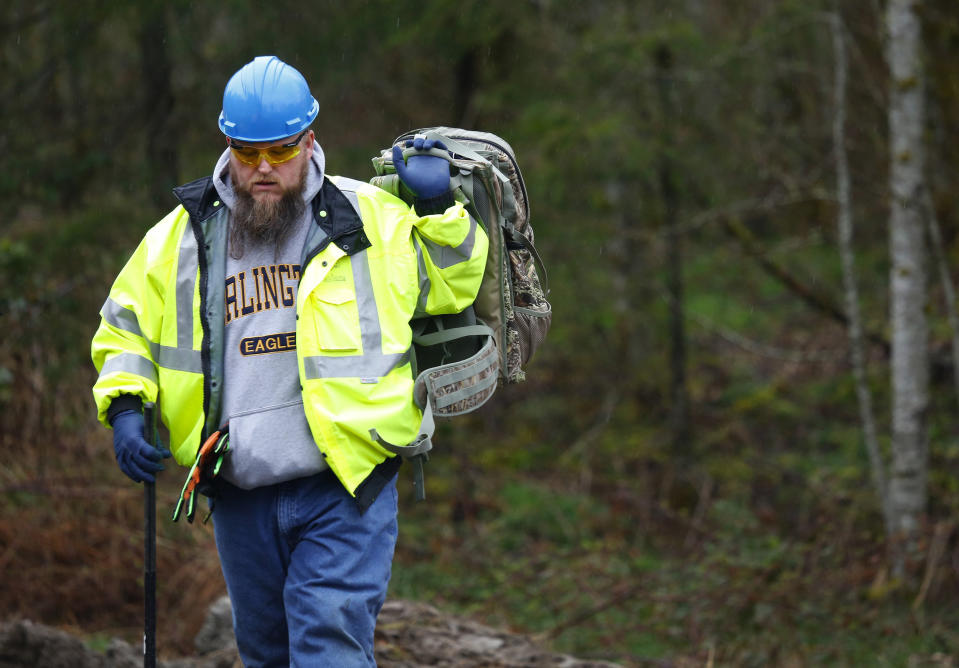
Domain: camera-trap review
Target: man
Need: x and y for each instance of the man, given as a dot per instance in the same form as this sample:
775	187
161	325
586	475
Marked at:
273	306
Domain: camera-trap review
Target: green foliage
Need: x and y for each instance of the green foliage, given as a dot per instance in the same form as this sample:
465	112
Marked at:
563	508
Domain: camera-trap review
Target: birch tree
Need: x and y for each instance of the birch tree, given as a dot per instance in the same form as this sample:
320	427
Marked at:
854	327
910	355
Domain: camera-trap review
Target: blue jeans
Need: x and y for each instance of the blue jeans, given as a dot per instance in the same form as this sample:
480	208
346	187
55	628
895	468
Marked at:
306	571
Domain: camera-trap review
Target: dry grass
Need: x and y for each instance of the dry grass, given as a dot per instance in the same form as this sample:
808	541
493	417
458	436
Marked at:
71	546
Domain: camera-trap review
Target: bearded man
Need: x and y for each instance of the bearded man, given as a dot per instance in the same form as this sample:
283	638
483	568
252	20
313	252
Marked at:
269	217
268	316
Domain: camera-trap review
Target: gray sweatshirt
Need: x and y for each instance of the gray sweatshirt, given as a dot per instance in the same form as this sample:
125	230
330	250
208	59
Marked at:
270	440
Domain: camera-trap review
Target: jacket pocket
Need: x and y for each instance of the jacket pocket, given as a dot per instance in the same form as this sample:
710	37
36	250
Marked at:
336	318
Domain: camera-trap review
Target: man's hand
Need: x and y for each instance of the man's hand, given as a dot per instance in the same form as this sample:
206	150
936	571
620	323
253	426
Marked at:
428	176
137	459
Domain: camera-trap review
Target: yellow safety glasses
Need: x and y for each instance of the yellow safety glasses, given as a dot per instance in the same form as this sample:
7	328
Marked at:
273	154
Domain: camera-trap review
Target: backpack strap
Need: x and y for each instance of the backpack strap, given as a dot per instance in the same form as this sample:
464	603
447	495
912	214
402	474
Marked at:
447	335
466	152
416	452
445	389
521	241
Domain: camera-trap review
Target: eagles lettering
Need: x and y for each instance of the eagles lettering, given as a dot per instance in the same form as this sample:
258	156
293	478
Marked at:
271	343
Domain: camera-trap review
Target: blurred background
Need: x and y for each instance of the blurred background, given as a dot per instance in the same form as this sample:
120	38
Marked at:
692	472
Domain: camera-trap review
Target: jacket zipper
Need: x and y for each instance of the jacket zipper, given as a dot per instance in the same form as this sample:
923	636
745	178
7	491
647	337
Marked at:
205	355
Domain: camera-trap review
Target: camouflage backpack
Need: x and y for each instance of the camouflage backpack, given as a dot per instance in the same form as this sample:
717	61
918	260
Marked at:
460	359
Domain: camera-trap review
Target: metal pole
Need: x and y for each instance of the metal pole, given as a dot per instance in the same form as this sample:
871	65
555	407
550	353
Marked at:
149	550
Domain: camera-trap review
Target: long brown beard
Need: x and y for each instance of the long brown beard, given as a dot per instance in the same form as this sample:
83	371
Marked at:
264	222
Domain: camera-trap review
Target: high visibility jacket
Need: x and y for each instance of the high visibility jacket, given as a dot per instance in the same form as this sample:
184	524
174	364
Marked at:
369	265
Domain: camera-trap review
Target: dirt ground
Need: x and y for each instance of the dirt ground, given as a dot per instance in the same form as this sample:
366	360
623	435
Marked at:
408	635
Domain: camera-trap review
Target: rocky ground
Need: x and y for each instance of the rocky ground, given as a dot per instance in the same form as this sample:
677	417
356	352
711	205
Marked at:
408	635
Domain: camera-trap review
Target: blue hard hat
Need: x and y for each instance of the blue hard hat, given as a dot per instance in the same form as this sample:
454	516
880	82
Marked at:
266	100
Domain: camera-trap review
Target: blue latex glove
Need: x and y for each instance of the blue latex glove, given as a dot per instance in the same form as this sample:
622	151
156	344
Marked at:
428	176
137	459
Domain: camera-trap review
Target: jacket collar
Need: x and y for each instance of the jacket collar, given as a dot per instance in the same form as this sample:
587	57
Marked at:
342	224
199	198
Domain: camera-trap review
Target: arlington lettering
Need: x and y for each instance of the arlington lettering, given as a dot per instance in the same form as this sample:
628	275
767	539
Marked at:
272	286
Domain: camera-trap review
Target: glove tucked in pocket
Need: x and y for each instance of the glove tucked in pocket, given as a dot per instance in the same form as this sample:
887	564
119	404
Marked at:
205	469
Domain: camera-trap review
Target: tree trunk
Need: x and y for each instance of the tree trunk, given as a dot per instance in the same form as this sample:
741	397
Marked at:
910	354
465	83
945	279
679	396
857	344
161	151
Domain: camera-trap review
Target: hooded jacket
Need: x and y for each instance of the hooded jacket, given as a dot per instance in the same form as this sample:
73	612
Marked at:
368	266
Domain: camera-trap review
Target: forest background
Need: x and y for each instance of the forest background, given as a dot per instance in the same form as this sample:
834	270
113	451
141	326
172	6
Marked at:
685	476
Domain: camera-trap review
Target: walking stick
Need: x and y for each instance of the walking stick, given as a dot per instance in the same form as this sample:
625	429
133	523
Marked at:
150	551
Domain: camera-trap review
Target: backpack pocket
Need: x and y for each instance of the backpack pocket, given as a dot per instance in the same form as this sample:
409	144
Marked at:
532	325
529	313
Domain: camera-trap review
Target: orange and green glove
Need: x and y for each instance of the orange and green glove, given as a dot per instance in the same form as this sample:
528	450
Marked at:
206	467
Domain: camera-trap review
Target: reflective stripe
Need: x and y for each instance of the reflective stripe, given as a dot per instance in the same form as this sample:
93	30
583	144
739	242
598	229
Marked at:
183	357
177	359
424	278
373	364
367	367
129	363
352	197
445	257
187	265
370	332
121	317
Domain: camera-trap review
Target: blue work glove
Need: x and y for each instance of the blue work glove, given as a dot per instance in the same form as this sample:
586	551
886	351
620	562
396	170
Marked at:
428	176
137	459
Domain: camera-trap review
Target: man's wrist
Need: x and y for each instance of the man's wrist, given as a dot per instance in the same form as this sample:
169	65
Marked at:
426	206
124	402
